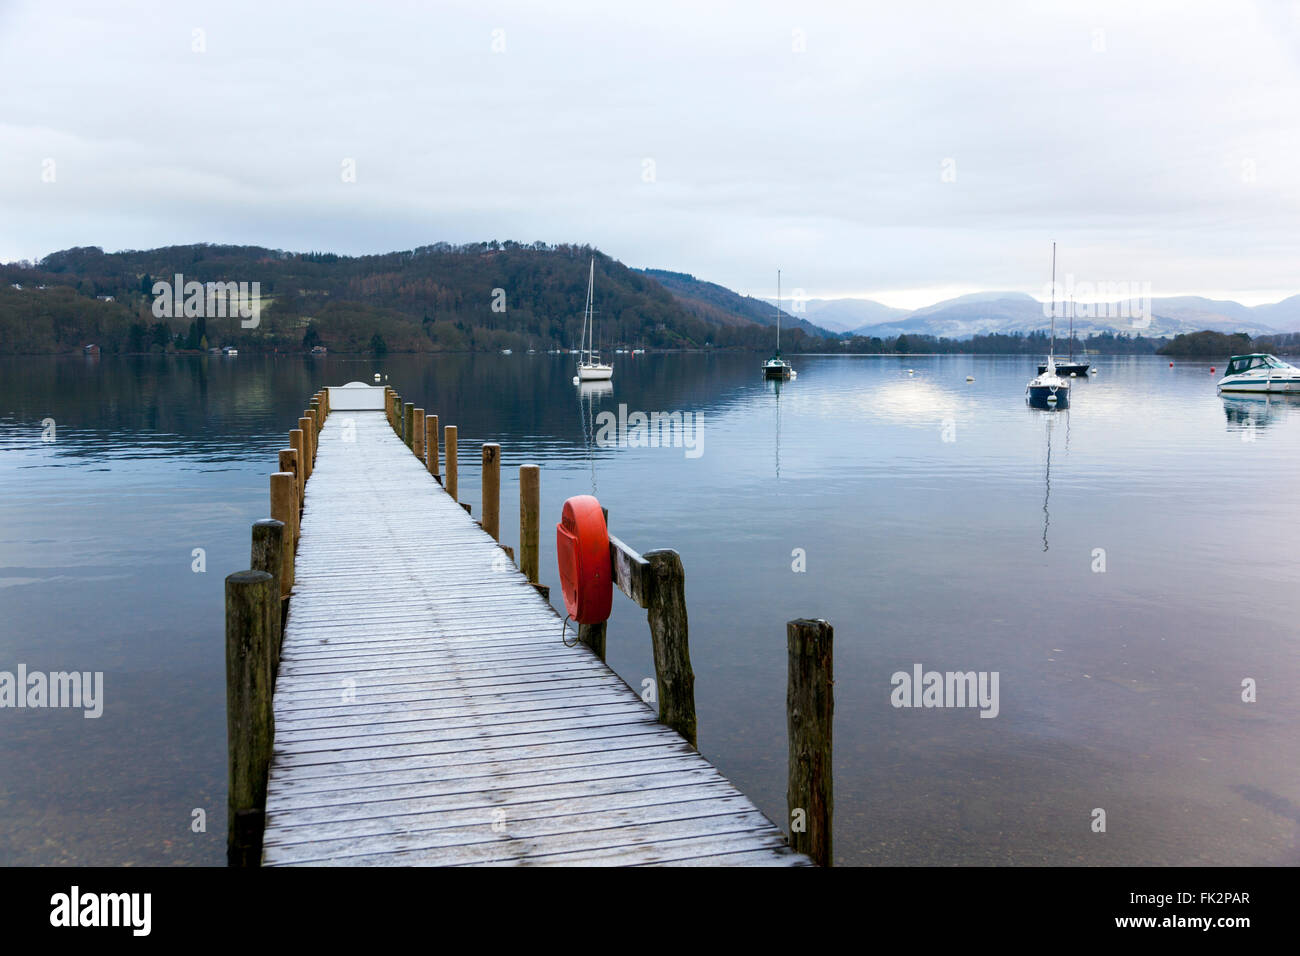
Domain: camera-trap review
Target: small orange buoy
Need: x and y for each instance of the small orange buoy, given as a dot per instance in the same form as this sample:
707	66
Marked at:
582	551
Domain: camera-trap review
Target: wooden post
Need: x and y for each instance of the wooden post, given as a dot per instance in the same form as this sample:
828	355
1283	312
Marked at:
308	440
408	424
289	463
670	636
284	507
431	440
296	440
452	460
810	707
317	415
249	718
492	489
418	445
530	506
270	538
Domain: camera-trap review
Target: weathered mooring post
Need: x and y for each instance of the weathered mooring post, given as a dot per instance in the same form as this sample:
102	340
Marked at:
450	432
298	445
670	635
492	489
810	709
418	445
250	600
308	446
408	424
284	508
270	540
431	440
530	506
289	463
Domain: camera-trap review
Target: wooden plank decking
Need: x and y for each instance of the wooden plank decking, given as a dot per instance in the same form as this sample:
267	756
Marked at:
427	712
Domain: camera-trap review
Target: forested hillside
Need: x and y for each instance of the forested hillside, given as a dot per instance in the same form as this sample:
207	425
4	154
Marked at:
435	298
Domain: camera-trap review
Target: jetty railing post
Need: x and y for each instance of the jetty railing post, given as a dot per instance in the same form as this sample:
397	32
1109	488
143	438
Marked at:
452	461
418	446
431	440
318	414
284	509
530	506
249	715
296	442
810	710
492	489
308	440
270	537
670	635
289	463
408	424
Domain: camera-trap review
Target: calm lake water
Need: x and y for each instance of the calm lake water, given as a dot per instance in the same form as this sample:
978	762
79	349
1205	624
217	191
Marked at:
934	530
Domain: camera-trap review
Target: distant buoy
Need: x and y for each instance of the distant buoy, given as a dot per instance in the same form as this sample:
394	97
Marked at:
970	378
575	380
1074	375
1092	371
1171	364
1211	369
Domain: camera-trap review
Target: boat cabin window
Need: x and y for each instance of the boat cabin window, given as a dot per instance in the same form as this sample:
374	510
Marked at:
1244	363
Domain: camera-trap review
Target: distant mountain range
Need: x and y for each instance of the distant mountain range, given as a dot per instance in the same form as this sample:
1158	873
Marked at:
1011	312
498	295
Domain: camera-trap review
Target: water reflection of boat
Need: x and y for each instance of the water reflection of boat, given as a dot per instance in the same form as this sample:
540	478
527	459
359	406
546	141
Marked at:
776	384
1256	410
591	395
1047	477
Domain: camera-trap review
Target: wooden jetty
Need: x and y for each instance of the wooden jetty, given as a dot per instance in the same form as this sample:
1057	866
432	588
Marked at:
399	692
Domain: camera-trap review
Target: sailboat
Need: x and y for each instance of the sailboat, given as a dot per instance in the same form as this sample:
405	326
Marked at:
1049	390
1069	368
590	368
777	367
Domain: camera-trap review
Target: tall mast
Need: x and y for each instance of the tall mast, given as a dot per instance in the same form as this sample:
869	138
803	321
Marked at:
1071	328
778	311
1053	346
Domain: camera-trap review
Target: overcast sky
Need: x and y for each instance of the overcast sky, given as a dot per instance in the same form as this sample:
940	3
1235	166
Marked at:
900	151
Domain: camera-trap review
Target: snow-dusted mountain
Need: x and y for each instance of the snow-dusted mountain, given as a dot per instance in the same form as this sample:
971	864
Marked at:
1009	312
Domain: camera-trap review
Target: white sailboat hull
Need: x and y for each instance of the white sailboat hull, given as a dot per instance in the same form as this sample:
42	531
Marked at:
595	373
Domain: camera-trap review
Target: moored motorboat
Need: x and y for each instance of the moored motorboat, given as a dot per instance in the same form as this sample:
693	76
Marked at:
1259	372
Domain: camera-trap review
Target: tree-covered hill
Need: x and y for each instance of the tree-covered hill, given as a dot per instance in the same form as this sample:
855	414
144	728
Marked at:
435	298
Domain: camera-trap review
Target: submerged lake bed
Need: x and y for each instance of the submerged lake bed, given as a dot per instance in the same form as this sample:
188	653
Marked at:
1125	567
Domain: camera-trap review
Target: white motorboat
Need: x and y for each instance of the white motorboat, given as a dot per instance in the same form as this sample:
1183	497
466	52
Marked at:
590	367
1259	372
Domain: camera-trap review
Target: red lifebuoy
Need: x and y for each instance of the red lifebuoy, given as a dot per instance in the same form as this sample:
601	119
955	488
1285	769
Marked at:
582	549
